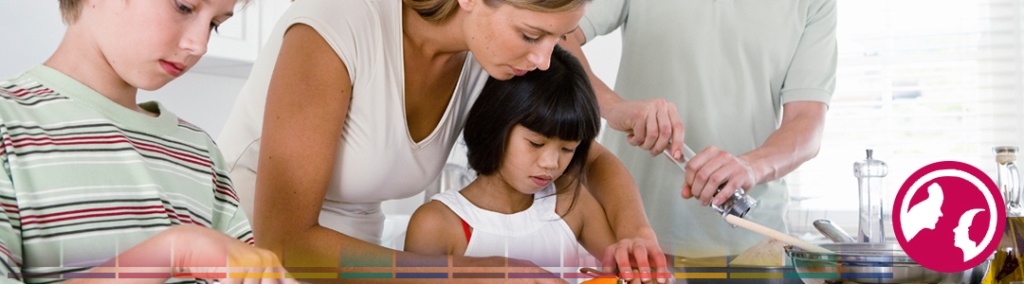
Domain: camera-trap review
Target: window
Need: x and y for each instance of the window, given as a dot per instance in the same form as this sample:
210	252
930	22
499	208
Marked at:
919	81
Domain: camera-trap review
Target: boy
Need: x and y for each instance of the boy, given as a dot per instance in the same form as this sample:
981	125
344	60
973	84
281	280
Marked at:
94	185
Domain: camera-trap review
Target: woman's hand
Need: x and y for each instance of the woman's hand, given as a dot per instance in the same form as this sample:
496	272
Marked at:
635	258
649	124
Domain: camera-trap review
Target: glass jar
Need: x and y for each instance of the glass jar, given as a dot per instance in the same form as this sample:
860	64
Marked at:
1006	266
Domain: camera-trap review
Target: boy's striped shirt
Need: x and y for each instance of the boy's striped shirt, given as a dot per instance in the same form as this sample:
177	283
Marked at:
83	179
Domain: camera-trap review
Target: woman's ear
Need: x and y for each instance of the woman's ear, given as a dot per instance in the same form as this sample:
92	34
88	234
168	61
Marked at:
468	5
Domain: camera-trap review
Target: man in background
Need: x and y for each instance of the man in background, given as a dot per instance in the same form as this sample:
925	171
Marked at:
752	81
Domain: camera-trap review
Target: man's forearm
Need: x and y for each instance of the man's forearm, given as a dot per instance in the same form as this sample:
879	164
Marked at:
797	140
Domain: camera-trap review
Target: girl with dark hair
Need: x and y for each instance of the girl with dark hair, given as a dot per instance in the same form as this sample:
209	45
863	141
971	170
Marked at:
522	135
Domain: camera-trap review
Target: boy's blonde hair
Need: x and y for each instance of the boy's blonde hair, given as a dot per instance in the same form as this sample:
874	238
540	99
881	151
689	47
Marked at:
70	9
438	10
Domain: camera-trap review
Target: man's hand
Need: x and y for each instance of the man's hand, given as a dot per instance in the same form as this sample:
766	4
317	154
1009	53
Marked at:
714	168
649	124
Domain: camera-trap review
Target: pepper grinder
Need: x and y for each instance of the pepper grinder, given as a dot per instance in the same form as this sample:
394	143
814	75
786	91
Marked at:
739	203
869	173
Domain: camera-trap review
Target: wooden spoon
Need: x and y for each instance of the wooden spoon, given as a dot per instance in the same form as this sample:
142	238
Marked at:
769	232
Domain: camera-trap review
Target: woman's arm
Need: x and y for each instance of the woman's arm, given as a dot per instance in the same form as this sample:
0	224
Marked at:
595	233
307	104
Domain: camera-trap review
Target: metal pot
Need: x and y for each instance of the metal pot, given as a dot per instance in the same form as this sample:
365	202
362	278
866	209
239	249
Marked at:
871	263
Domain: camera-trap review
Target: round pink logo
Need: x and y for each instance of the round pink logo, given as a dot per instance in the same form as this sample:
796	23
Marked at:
948	216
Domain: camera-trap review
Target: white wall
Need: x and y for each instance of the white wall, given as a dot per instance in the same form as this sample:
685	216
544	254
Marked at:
32	29
202	99
603	54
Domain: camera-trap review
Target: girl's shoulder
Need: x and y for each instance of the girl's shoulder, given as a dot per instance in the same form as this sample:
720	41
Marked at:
435	213
434	229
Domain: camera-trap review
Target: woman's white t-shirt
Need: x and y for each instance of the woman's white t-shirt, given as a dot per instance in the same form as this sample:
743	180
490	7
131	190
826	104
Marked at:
377	160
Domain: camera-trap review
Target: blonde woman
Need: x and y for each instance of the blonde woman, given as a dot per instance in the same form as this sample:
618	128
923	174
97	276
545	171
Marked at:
352	103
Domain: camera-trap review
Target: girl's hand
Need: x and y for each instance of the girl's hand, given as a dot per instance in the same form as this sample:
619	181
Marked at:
644	253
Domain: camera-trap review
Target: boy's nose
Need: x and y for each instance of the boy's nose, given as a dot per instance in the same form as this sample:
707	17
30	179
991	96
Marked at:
195	40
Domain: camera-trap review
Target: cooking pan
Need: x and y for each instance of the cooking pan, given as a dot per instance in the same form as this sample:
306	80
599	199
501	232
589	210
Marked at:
871	263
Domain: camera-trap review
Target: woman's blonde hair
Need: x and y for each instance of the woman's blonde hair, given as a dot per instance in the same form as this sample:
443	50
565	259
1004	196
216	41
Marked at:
438	10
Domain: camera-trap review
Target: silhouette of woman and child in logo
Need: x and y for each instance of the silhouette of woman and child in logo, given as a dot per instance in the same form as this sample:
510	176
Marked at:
925	215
